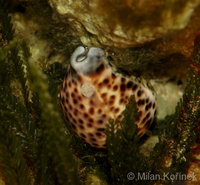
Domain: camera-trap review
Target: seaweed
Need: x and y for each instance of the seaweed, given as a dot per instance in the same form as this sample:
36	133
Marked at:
177	136
122	140
34	147
56	141
11	155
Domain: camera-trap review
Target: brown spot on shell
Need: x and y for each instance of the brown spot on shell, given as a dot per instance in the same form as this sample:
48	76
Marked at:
75	101
141	102
112	108
74	120
104	95
139	93
75	90
91	102
122	87
66	101
74	82
113	76
103	116
111	102
70	107
82	135
123	80
65	109
100	69
98	134
85	115
135	86
82	106
73	126
75	112
112	97
148	123
91	110
101	129
121	101
79	98
115	88
116	110
89	125
70	115
144	120
72	95
93	139
126	97
129	84
91	120
80	121
100	85
100	121
90	134
99	111
106	81
147	116
148	106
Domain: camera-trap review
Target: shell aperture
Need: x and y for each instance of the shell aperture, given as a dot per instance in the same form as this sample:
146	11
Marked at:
92	94
85	60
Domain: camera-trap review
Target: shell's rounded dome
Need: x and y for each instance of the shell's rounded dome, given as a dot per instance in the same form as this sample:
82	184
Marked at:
92	94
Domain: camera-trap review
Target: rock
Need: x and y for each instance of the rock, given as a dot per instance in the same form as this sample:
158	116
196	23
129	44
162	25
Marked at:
124	23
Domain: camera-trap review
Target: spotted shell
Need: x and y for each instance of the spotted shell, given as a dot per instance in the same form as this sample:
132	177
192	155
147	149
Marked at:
92	93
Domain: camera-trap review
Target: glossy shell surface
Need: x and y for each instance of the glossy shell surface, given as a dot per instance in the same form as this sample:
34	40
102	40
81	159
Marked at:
92	93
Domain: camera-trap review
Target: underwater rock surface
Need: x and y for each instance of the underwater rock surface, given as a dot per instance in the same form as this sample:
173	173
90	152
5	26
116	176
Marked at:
125	23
